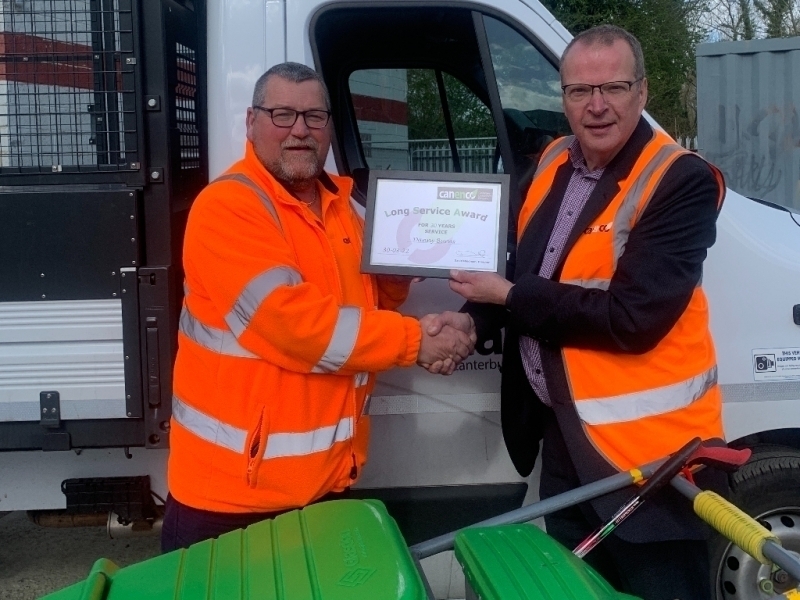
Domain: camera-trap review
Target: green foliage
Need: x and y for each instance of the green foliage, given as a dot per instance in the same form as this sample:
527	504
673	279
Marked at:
470	116
668	37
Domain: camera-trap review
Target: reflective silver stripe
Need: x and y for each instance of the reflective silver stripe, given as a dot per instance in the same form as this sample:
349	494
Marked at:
634	199
367	403
299	444
208	428
278	444
600	284
361	379
629	407
255	293
342	341
211	338
262	195
553	151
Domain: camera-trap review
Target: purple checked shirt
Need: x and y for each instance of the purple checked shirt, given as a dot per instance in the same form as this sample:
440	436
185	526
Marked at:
580	187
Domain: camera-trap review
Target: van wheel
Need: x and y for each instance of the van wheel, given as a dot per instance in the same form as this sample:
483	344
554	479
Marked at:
767	488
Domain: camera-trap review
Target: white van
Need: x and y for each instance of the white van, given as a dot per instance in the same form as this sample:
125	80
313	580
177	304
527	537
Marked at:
101	155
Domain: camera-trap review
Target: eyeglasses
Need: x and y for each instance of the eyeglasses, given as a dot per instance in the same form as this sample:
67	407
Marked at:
286	117
613	90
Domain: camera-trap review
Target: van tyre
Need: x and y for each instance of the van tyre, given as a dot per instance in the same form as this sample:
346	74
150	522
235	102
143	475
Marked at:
767	488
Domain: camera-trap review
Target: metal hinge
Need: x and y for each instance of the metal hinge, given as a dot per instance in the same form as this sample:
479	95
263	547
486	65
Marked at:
50	409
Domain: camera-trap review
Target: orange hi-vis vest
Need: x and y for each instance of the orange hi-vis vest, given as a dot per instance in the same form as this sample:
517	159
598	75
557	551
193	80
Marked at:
278	340
635	408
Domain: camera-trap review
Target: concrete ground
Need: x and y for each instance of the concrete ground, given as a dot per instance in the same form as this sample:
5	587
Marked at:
35	560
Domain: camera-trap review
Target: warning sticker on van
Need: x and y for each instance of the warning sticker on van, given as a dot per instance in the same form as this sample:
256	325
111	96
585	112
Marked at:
776	364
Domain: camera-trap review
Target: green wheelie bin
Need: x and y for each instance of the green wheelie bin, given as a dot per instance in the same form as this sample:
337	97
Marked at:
338	550
522	562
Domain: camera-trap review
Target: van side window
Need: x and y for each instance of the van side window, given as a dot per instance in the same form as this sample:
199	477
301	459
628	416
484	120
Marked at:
530	95
421	120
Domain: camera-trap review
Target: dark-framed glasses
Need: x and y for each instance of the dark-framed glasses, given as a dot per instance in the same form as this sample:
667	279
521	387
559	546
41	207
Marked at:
611	90
286	117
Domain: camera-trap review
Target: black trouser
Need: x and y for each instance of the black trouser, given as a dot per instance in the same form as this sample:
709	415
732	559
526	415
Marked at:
184	525
652	571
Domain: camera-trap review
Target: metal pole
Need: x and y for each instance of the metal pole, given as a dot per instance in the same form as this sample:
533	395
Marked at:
775	552
538	509
428	591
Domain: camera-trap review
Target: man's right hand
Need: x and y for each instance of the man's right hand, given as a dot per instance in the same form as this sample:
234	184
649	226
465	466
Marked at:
458	320
447	339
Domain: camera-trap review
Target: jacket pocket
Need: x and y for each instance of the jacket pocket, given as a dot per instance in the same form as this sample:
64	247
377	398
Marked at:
255	447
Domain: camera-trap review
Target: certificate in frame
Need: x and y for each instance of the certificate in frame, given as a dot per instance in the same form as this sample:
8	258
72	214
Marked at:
424	224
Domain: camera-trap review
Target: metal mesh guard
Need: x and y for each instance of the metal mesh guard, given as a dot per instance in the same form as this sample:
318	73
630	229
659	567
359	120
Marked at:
67	97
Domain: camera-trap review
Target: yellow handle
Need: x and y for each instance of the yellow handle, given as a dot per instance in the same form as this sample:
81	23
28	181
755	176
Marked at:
740	528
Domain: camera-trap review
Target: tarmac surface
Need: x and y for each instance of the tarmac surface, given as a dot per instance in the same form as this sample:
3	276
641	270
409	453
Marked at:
35	560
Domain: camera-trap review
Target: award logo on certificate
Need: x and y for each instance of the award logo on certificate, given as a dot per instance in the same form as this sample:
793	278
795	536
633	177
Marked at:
425	224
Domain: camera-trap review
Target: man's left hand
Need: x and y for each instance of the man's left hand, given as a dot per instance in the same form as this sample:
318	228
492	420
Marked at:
487	288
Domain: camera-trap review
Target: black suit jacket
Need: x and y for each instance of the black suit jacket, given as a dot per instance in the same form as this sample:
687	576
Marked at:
655	277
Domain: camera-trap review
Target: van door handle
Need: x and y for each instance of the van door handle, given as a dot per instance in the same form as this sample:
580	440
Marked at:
796	314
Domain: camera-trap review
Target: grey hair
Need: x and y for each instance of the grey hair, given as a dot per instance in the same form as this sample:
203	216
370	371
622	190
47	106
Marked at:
291	71
606	35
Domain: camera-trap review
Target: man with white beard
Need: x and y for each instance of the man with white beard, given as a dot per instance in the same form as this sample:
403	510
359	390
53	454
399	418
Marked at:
280	334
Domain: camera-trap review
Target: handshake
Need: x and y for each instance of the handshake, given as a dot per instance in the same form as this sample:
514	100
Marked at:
447	339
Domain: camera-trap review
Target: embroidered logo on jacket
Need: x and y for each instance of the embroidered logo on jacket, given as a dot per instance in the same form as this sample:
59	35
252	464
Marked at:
598	229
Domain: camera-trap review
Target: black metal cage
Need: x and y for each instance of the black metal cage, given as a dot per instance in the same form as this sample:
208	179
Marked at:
67	87
103	147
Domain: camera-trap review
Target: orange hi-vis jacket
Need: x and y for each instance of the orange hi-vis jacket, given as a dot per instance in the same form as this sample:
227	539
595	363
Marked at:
279	338
635	408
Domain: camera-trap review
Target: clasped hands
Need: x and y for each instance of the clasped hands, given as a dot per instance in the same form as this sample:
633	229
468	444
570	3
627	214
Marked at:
447	339
450	337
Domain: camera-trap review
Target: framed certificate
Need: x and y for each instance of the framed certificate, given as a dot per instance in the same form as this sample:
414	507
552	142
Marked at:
425	224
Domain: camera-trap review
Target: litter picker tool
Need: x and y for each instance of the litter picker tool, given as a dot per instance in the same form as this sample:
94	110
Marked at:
693	453
659	479
720	457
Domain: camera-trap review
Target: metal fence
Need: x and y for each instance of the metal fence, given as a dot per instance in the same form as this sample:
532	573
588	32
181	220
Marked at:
475	155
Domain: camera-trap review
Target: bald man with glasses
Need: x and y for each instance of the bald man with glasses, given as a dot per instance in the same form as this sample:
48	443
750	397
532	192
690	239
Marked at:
608	359
280	334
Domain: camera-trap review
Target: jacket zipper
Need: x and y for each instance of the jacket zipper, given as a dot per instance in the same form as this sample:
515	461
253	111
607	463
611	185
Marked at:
353	412
255	449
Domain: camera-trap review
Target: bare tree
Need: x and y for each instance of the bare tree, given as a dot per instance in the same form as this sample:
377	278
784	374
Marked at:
751	19
774	14
731	19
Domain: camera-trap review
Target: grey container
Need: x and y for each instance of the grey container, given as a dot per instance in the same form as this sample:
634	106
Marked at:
748	116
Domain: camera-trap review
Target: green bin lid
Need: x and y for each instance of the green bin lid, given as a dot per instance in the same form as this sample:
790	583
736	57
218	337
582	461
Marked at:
522	562
343	549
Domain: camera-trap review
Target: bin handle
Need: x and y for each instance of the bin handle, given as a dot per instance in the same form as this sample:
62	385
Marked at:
99	580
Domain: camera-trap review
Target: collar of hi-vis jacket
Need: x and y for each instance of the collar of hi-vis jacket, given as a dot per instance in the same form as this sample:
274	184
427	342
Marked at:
336	191
339	187
607	186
